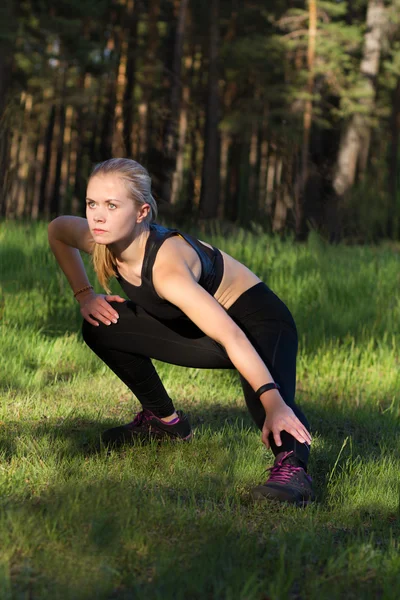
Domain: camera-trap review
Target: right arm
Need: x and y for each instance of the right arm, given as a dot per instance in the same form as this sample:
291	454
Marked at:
67	237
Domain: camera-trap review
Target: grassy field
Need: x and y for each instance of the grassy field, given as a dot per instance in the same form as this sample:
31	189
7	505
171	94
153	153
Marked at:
176	522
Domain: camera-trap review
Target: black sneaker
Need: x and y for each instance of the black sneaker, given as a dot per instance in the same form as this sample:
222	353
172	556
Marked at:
287	482
145	427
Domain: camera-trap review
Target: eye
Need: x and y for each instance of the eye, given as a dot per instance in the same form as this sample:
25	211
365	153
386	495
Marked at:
112	206
90	204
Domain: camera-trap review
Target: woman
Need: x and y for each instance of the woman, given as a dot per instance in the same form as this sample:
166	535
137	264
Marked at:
189	304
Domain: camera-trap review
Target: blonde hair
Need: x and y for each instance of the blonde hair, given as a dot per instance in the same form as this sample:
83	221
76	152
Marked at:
138	183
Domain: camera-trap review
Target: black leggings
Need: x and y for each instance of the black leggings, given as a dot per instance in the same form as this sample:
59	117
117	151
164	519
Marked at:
128	346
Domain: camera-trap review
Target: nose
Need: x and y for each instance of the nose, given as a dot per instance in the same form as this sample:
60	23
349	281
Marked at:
98	218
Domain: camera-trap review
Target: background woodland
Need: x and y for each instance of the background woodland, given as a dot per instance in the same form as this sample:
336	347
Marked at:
281	115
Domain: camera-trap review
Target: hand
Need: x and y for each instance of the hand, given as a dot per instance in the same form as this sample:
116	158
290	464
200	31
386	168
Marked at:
97	306
282	418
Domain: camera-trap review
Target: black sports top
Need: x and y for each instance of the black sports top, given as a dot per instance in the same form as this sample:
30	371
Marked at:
212	270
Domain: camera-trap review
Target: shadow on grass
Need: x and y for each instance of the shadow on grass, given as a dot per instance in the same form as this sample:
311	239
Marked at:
130	538
362	432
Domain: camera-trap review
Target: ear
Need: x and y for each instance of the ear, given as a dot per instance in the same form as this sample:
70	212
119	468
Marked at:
143	213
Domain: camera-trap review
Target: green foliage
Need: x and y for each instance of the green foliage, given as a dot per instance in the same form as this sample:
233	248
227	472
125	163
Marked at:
264	85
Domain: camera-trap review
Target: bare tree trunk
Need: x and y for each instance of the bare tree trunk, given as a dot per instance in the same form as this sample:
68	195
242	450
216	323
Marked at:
79	142
108	122
357	131
225	145
232	198
307	121
210	177
254	165
177	179
7	37
271	168
280	209
262	179
46	164
170	131
55	198
23	159
230	90
146	109
394	180
134	8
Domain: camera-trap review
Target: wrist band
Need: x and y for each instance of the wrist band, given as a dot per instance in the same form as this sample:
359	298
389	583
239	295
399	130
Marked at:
87	287
266	388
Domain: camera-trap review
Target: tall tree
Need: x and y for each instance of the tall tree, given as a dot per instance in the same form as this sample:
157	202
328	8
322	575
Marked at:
307	120
8	28
357	132
134	9
394	180
171	124
210	176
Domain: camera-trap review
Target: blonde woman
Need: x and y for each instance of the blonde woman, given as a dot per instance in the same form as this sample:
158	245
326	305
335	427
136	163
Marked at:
190	304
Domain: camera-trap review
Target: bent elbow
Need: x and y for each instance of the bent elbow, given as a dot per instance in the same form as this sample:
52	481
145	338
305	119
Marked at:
232	338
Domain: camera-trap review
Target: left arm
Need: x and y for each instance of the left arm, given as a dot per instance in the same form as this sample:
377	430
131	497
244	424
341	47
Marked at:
178	286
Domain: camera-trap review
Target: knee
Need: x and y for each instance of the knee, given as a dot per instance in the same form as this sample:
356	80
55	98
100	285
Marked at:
88	332
99	335
94	335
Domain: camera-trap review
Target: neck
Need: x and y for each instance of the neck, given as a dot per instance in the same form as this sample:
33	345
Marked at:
130	252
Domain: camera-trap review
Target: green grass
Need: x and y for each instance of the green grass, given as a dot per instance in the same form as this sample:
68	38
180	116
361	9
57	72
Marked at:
176	522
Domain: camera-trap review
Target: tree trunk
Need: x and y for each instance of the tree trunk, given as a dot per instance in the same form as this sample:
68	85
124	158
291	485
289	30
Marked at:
7	37
55	198
232	197
210	176
148	124
177	179
171	126
46	164
394	187
358	128
108	122
79	157
307	121
134	9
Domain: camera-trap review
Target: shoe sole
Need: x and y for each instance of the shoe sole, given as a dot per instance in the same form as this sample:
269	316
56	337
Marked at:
258	496
145	440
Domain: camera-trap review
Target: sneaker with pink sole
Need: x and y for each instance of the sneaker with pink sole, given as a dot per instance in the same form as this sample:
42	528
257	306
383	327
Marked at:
145	427
287	482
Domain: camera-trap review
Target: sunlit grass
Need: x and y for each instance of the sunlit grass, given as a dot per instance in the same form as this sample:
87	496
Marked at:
176	521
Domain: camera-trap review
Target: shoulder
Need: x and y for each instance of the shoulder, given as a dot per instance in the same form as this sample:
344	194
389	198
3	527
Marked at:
172	255
174	262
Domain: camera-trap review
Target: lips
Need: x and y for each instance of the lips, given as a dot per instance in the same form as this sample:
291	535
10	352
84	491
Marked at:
99	231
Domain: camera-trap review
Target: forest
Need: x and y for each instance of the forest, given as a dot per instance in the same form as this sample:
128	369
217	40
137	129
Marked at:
279	115
270	129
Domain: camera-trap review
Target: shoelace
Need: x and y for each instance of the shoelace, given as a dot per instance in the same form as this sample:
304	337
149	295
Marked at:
141	417
283	472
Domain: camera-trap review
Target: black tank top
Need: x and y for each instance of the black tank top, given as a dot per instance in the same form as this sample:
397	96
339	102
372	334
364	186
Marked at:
212	269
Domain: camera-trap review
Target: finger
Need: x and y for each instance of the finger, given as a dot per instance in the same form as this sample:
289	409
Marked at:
91	321
296	434
108	311
265	437
100	317
296	428
302	428
277	438
115	298
305	433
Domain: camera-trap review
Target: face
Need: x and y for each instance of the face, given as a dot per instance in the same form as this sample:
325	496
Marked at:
111	213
